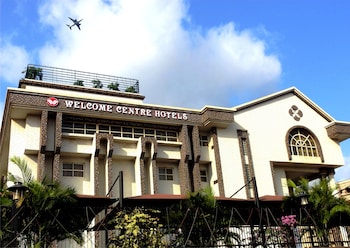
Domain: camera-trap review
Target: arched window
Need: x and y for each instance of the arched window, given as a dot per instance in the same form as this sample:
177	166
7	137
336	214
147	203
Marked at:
302	143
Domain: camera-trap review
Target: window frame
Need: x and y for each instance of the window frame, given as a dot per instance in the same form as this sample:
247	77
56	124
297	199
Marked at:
73	169
167	173
302	142
121	131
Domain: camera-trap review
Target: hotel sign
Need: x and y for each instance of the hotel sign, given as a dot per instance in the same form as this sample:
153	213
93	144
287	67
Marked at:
120	109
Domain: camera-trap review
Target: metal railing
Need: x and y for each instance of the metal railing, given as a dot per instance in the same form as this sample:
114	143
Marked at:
81	78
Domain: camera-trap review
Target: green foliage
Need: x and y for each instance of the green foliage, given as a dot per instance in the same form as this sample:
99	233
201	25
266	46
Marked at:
25	170
6	233
131	89
113	86
33	72
52	208
48	212
203	198
324	207
201	222
138	228
79	83
97	84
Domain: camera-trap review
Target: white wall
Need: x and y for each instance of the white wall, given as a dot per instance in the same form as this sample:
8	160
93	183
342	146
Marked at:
267	126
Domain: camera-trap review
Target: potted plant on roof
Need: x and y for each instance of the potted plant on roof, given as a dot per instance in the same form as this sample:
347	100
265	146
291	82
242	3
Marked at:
79	83
113	86
97	84
131	89
33	72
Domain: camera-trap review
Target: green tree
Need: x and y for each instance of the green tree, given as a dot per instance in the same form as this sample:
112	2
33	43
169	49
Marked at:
323	207
51	206
48	213
138	229
26	172
79	83
113	86
97	84
201	222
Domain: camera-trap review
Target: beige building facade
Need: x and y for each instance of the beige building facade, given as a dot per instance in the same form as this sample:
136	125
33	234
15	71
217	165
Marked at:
343	189
83	137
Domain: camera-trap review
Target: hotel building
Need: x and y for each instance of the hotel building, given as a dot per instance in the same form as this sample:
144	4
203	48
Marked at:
83	136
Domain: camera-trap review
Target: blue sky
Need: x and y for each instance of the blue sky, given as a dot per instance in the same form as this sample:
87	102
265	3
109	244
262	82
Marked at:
190	53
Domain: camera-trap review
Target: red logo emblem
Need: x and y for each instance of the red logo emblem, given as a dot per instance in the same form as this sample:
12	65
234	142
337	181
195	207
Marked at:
52	101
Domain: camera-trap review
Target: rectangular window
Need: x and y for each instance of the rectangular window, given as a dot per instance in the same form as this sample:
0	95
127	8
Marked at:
161	135
73	170
172	136
149	132
203	139
138	132
103	128
67	127
127	132
166	174
90	128
79	128
204	176
116	131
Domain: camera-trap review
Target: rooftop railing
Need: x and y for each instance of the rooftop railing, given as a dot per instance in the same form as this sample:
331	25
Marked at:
81	78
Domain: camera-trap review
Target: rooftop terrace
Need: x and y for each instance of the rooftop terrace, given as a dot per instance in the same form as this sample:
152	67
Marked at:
81	78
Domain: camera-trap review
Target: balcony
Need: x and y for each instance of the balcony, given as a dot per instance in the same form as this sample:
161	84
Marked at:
81	78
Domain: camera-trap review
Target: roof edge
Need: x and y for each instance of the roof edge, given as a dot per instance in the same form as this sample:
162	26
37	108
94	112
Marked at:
291	90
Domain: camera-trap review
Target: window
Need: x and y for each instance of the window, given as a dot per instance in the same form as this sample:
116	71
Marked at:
78	128
161	135
203	139
127	132
138	132
204	176
90	128
171	136
116	131
301	143
166	174
149	133
103	129
119	131
73	170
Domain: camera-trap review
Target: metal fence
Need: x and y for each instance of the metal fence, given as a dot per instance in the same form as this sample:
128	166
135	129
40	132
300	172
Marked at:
80	78
245	237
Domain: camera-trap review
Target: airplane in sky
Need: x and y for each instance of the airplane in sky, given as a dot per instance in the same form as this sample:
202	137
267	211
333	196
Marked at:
75	23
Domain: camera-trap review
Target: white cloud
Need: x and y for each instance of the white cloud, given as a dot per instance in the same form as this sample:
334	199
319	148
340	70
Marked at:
13	61
146	40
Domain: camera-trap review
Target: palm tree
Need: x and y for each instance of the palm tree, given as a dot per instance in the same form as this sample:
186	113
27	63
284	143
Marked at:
48	213
52	208
25	170
323	206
